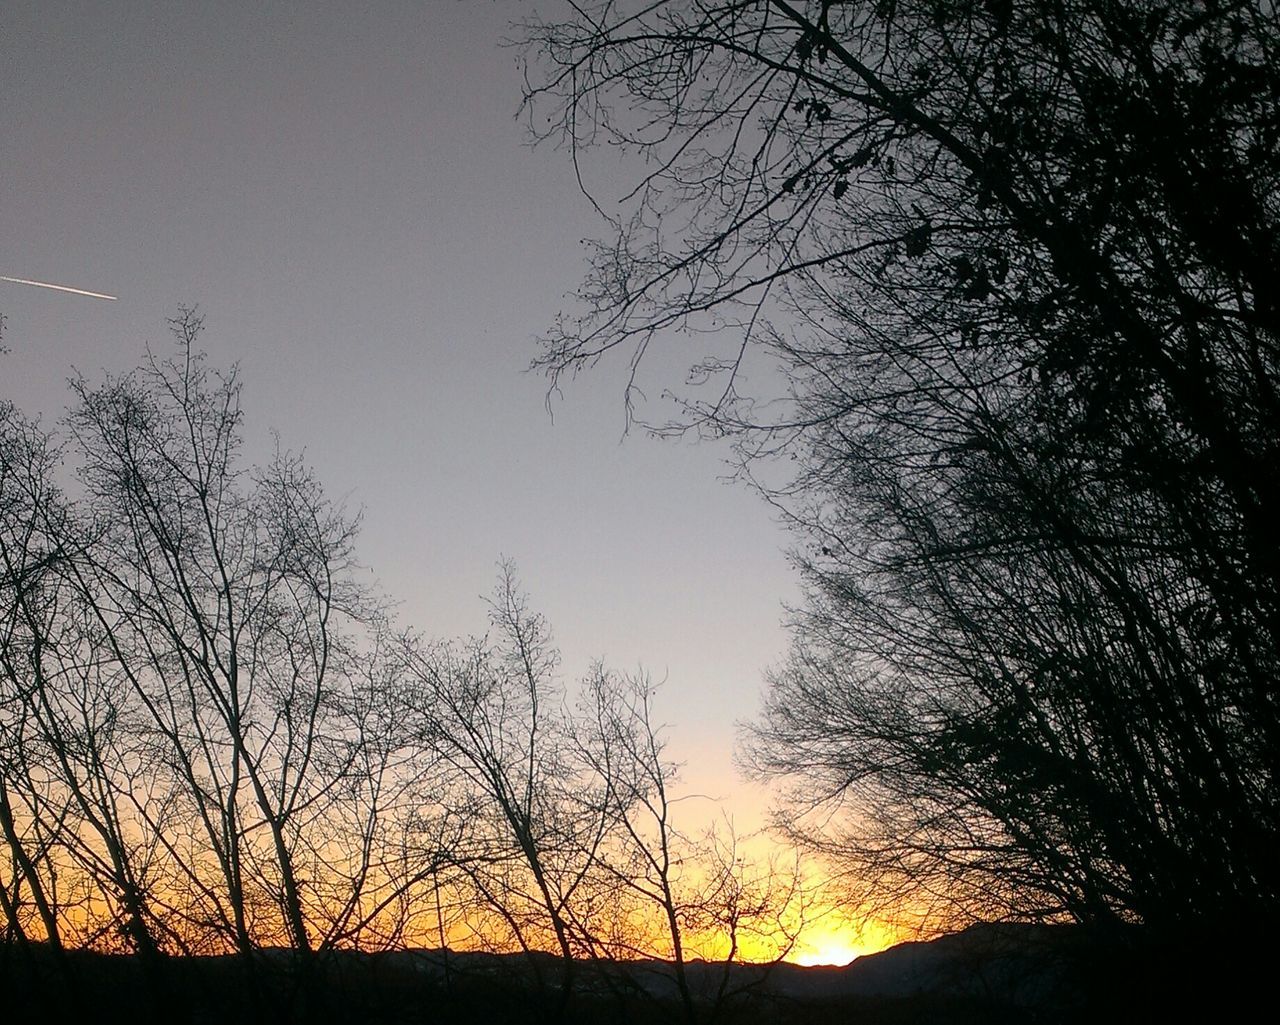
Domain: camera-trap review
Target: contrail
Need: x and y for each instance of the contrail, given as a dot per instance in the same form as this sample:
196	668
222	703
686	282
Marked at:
58	288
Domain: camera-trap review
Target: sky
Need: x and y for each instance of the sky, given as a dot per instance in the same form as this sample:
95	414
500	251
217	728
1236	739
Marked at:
347	194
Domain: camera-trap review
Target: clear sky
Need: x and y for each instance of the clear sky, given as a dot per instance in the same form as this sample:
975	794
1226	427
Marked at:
346	193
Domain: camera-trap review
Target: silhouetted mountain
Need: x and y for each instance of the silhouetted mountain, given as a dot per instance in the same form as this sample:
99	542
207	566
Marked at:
989	973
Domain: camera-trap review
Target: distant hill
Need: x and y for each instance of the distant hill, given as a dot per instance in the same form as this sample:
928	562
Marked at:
990	973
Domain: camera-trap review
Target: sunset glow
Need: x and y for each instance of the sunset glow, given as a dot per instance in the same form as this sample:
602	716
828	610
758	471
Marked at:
837	942
833	952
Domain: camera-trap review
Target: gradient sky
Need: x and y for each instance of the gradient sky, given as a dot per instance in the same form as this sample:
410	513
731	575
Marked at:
348	197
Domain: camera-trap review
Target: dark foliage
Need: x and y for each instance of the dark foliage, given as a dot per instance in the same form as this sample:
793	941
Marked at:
1016	263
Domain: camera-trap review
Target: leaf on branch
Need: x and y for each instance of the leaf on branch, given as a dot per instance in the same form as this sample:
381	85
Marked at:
917	239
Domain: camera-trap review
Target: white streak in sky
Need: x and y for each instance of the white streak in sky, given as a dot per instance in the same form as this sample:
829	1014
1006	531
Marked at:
58	288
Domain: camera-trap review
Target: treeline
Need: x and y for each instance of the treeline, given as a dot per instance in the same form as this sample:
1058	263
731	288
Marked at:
214	738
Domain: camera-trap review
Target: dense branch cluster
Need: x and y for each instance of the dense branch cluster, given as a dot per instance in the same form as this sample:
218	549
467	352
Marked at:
214	740
999	279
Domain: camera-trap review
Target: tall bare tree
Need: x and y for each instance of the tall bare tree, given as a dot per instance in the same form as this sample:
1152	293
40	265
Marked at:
668	887
227	599
492	710
646	860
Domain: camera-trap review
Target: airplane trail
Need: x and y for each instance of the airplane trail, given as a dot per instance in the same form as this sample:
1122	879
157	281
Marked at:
57	288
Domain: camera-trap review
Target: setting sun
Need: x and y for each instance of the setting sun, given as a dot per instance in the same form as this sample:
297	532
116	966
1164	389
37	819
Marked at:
838	942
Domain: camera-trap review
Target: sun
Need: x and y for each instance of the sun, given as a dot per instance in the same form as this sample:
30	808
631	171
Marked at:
837	942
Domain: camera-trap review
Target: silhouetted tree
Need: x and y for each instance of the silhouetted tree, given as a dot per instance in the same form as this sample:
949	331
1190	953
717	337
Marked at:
646	860
28	556
226	600
377	844
214	738
1011	268
491	712
204	743
661	889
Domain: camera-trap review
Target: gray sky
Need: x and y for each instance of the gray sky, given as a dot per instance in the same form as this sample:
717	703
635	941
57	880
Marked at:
346	193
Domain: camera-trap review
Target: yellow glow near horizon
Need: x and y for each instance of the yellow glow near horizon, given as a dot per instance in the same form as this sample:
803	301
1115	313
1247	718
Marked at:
832	952
830	937
839	942
811	923
831	940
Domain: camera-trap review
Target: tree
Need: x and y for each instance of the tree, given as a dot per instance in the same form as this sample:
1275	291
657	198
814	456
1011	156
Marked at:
567	839
27	559
1010	264
661	892
225	603
216	740
490	714
645	860
205	744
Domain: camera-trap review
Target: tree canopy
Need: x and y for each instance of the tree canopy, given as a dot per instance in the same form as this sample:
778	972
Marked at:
997	280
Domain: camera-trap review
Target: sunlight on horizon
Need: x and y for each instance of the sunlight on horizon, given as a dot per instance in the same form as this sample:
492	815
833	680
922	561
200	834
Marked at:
839	943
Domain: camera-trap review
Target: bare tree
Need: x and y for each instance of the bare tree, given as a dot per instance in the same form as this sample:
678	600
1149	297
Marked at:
645	858
661	889
29	556
492	711
205	744
378	843
215	739
227	602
